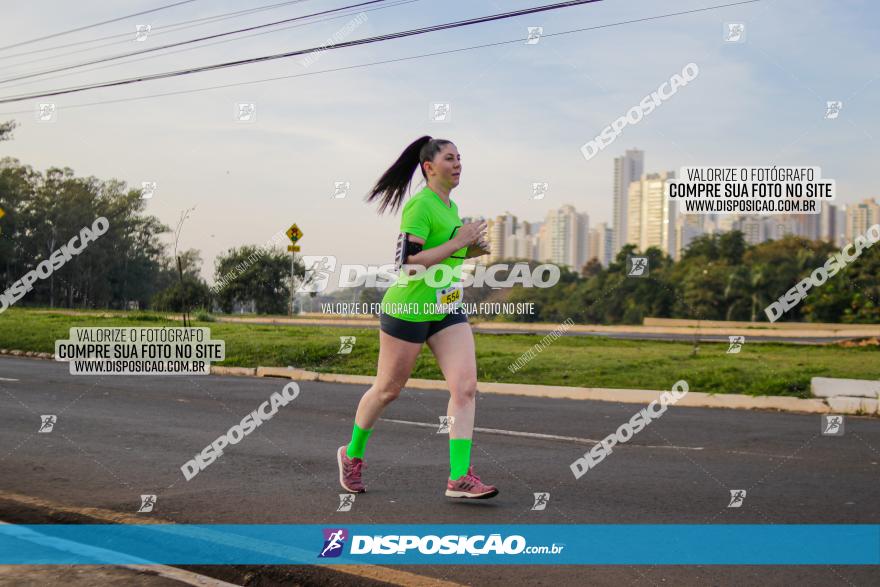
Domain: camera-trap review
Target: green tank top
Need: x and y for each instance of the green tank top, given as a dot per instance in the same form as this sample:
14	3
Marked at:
426	215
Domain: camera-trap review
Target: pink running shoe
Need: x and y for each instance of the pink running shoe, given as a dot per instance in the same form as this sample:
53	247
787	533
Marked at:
350	471
470	486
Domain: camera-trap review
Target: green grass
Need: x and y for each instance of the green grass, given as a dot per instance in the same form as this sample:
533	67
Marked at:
584	361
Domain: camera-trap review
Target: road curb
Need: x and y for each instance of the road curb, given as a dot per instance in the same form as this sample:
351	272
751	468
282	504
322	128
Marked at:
32	354
762	330
107	516
633	396
693	399
237	371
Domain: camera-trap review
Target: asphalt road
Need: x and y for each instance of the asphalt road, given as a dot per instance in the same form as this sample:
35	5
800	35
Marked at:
118	437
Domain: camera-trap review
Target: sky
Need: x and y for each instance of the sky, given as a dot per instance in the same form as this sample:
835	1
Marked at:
519	112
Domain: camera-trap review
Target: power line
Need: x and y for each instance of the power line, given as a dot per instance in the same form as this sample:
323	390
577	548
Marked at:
397	60
397	3
97	24
177	26
180	43
266	58
272	79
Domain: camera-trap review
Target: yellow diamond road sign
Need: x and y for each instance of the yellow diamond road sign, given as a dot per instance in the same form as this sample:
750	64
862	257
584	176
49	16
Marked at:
294	233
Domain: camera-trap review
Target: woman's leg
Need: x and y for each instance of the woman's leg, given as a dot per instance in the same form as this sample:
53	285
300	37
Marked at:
453	347
396	360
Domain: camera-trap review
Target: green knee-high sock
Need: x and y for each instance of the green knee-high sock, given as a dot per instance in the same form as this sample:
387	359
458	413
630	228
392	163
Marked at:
358	442
459	457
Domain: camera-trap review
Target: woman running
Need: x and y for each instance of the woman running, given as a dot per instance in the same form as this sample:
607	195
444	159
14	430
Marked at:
431	233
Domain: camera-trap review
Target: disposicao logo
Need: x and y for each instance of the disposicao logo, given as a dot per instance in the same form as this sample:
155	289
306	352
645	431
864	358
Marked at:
334	542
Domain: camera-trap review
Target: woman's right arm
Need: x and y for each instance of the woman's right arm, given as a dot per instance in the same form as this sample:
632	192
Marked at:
468	234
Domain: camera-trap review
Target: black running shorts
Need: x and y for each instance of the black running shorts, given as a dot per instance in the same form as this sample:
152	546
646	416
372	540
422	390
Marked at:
418	331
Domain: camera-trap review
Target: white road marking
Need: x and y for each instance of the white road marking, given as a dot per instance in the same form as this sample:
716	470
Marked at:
7	379
761	454
543	436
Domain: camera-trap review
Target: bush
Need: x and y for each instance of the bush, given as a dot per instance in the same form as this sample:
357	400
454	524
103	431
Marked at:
202	315
191	294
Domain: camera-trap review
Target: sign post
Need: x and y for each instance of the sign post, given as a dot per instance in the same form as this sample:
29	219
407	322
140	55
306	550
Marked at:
294	234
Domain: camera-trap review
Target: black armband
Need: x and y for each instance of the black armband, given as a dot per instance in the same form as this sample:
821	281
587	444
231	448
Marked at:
405	249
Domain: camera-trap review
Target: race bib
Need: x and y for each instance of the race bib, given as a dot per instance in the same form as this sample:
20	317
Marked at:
450	298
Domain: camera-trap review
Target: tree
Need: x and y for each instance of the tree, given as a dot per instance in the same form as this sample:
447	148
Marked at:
778	266
592	268
737	292
254	273
45	211
851	296
191	292
732	246
6	130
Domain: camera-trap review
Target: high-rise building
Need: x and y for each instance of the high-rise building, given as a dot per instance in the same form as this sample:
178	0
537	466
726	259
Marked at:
522	243
723	222
482	259
810	225
627	169
758	229
542	244
781	225
651	221
499	232
806	226
607	244
754	228
510	238
567	237
719	223
841	226
634	215
594	243
602	243
861	216
495	235
687	228
828	227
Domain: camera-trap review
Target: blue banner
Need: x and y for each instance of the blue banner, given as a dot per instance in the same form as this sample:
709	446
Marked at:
454	544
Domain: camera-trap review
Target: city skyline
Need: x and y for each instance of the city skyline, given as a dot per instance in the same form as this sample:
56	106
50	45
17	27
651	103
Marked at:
318	137
565	235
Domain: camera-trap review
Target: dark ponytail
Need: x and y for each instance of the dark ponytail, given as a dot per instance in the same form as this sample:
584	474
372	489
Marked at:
392	186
